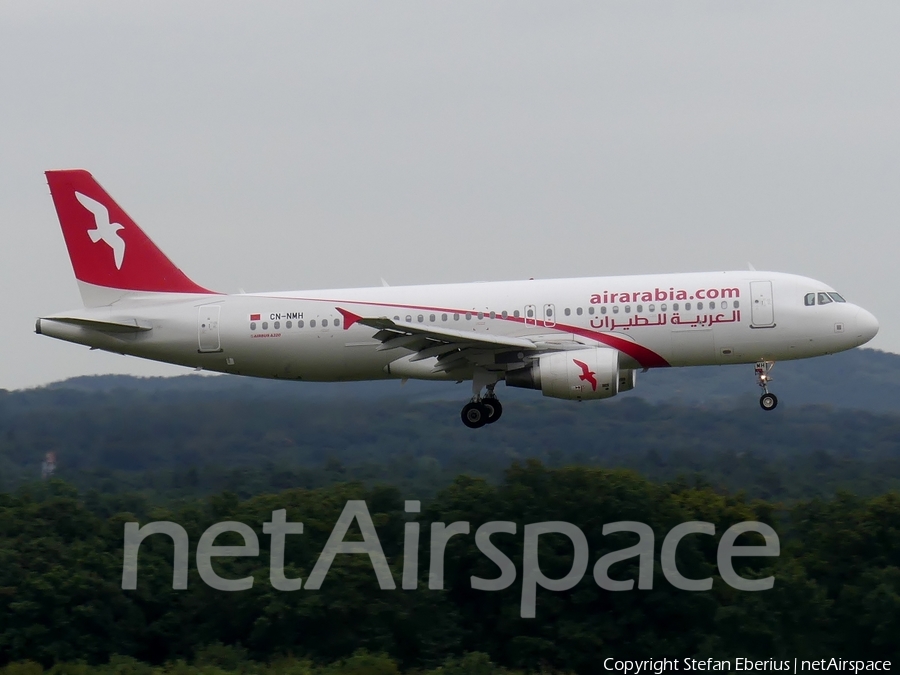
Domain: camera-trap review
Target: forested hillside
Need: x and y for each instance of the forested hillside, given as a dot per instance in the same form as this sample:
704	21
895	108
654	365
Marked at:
199	450
863	379
203	434
836	580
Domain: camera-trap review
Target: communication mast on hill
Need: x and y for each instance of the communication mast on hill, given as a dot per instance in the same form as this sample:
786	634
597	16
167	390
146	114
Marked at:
49	465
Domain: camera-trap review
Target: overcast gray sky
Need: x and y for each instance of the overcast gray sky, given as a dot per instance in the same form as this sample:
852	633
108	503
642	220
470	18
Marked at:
293	145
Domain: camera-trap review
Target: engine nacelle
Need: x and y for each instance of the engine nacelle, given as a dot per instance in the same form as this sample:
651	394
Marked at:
580	374
627	379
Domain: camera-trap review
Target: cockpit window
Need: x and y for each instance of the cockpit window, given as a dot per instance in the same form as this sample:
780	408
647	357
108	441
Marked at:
809	299
837	297
824	299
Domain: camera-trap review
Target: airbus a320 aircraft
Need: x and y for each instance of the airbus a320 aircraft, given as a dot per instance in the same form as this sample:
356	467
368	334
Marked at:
573	339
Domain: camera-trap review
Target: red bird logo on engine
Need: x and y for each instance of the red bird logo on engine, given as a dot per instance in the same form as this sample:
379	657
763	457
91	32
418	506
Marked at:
587	375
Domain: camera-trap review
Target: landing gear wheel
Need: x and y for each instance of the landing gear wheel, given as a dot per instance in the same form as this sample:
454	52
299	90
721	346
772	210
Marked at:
494	409
475	414
768	401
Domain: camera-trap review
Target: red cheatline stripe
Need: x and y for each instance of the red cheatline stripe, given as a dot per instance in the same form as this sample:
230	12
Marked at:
646	357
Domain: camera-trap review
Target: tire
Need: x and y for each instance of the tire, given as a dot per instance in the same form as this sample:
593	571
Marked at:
474	415
768	402
494	409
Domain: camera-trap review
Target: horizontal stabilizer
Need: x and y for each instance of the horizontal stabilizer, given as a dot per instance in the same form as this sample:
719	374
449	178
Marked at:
103	326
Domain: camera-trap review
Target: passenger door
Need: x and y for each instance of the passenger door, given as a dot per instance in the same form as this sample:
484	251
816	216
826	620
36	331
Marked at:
762	306
208	328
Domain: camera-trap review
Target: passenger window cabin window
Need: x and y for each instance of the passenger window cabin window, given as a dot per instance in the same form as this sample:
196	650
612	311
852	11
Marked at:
480	315
809	299
603	310
549	312
579	311
421	318
443	317
324	323
737	304
432	318
252	325
504	314
408	318
516	313
568	312
300	323
276	325
687	307
312	323
663	307
652	308
265	325
724	305
699	305
337	323
468	316
640	309
837	297
530	313
824	299
288	325
590	310
396	318
628	309
674	306
615	309
456	317
493	315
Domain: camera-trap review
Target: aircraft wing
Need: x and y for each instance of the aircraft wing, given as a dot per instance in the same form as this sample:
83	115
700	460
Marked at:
453	348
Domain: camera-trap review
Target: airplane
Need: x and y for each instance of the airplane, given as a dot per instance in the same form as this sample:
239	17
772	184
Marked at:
577	339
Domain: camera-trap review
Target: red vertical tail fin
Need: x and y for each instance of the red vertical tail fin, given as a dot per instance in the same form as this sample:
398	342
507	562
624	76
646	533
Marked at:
110	254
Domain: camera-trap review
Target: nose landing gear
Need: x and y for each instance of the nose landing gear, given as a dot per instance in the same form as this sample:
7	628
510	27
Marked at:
767	401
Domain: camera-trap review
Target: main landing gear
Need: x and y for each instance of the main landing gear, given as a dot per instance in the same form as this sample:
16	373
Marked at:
476	414
481	410
767	401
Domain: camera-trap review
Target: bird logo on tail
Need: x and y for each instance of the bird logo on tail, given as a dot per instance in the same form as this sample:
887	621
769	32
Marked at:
105	230
587	375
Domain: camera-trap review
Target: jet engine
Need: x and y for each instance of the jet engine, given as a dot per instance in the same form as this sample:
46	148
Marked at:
579	374
627	379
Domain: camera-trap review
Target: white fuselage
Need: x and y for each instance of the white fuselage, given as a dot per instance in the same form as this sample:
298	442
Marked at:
652	320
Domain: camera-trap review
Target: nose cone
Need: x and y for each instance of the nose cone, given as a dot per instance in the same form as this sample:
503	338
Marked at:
866	326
